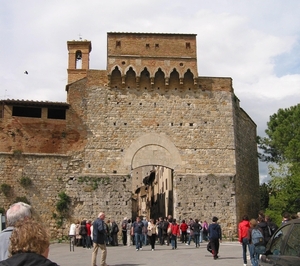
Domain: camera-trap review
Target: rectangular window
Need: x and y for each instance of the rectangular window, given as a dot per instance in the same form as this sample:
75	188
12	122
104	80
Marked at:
27	111
118	43
56	113
188	45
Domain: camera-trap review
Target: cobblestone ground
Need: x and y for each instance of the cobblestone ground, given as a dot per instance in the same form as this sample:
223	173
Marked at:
230	254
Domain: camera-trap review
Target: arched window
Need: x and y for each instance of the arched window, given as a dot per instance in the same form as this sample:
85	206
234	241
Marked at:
145	82
188	80
174	80
116	78
130	81
78	57
159	79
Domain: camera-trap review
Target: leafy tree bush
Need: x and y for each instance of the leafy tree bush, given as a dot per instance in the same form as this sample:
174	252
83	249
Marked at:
6	189
25	181
281	148
62	206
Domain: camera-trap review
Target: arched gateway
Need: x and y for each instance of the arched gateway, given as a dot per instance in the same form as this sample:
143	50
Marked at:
145	135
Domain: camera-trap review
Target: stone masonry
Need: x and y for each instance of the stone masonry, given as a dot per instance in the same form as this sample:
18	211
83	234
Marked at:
149	107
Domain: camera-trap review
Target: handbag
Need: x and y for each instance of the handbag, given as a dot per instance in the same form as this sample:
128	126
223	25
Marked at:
209	249
169	231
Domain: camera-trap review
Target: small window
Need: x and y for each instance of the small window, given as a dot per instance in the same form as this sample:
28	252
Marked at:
27	111
118	43
147	45
188	45
56	113
156	45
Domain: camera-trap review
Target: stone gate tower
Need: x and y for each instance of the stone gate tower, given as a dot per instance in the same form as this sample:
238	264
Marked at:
149	107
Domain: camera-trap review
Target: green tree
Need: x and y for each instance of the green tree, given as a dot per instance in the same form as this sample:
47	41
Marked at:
281	148
264	196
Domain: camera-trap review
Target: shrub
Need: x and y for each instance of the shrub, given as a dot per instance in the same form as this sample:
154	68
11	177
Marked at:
25	181
5	188
62	205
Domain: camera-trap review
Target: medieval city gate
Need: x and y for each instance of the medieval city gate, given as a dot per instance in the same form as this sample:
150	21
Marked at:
149	107
155	157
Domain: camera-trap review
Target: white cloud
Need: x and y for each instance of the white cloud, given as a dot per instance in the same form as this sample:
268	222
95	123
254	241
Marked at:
247	41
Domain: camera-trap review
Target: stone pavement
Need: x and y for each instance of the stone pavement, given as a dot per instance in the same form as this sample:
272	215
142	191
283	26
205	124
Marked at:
230	254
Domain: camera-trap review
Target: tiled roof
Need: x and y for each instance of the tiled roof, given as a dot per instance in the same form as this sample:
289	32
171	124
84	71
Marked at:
34	103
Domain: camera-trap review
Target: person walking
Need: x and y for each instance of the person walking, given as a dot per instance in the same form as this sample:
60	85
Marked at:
152	233
138	233
191	232
196	227
256	242
215	236
243	236
175	232
183	227
99	239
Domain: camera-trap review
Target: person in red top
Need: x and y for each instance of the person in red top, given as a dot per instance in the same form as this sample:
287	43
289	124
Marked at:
175	232
183	227
88	240
244	226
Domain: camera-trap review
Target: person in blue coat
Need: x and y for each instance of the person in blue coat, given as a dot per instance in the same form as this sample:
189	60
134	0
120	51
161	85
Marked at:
215	236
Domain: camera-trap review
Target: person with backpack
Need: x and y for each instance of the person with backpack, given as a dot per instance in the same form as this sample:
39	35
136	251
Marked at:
256	242
124	231
271	224
265	229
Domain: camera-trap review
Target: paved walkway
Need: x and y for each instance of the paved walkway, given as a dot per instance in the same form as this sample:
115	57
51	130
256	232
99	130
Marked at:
230	254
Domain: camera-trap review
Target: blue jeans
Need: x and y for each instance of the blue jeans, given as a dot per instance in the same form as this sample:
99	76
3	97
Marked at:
255	251
174	241
145	239
196	238
201	236
138	240
245	244
190	238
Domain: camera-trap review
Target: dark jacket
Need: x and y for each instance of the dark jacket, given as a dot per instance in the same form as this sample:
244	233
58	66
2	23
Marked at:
196	227
99	231
266	230
214	231
27	259
138	227
83	229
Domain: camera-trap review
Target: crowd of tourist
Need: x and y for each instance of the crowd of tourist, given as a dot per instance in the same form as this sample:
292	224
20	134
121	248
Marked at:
254	234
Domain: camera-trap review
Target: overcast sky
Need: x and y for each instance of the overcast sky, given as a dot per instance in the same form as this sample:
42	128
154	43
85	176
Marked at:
256	43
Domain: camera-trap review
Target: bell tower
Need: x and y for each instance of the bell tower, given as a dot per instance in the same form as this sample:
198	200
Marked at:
79	59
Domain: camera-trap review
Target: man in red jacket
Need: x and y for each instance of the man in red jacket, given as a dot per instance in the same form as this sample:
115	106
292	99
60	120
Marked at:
243	232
